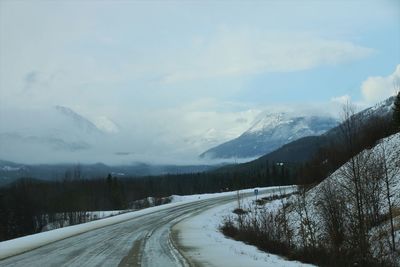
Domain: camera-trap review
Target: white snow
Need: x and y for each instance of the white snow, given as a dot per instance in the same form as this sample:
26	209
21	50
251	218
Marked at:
336	180
208	246
177	198
19	245
61	222
268	121
106	125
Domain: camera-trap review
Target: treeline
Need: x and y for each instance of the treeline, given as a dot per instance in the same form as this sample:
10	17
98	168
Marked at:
27	205
336	150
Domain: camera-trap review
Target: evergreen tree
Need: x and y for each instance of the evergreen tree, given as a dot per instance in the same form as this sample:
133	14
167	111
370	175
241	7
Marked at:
396	111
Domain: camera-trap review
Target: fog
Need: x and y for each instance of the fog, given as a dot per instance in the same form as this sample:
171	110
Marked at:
161	82
58	134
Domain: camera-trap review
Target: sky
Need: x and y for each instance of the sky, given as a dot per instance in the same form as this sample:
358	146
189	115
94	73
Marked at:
178	77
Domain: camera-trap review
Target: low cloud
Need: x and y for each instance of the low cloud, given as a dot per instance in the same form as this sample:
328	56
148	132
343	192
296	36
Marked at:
378	88
344	99
31	77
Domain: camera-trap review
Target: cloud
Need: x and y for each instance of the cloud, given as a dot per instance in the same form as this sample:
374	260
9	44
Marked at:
377	88
344	99
161	76
244	52
31	77
162	135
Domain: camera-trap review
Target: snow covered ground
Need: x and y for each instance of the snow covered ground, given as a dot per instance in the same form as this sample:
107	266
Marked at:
204	244
339	182
26	243
177	198
61	222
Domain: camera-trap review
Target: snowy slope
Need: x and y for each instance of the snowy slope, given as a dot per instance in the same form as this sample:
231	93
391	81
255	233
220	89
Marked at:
56	129
391	145
79	122
270	132
210	247
380	109
340	187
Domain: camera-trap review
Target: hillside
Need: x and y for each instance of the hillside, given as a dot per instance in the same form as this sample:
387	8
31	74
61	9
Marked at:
351	218
270	132
381	162
305	149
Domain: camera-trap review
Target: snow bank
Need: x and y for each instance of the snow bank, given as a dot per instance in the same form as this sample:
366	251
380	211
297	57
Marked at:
60	221
26	243
19	245
209	247
177	198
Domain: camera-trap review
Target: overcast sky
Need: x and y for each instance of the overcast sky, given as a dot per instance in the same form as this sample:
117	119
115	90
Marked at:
182	70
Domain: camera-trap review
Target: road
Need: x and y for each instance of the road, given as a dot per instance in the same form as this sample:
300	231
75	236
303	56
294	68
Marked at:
142	241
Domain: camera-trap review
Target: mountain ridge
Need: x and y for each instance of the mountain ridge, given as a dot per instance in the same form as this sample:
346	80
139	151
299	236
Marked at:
304	149
269	133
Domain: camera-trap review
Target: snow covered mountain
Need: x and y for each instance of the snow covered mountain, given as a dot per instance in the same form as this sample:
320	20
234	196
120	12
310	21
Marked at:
79	122
46	132
270	132
381	109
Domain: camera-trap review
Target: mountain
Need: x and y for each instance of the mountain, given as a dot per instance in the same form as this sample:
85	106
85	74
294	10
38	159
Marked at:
270	132
46	133
106	125
79	122
304	149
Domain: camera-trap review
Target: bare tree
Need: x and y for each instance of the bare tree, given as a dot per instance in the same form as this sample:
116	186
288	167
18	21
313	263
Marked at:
351	176
390	162
307	225
283	220
331	207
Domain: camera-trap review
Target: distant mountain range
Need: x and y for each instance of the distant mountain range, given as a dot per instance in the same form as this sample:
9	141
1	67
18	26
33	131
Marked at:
51	134
68	131
305	148
270	132
300	150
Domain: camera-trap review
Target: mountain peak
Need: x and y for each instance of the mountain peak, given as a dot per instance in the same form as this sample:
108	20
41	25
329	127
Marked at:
268	120
81	122
269	132
106	125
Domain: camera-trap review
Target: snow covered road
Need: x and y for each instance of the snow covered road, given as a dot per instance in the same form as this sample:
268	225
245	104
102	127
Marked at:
141	241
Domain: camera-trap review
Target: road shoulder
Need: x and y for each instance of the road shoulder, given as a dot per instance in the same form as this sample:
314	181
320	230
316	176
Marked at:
202	244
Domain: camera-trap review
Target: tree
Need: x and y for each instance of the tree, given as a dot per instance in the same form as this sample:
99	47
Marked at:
332	209
396	111
353	178
389	161
307	230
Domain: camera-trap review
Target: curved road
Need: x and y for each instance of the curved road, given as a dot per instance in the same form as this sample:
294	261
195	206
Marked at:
142	241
